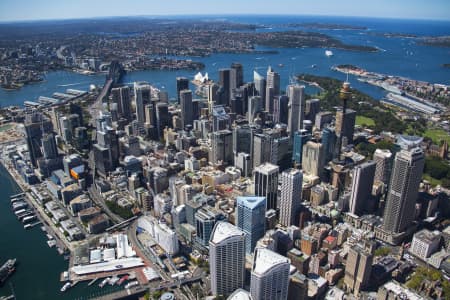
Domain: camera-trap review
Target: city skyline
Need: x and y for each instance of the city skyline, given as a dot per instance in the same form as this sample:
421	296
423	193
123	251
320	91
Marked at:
25	10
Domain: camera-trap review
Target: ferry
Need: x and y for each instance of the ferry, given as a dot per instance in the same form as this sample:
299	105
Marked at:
7	269
131	284
66	286
329	53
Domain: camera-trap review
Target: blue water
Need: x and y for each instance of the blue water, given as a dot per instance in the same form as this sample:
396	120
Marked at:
399	56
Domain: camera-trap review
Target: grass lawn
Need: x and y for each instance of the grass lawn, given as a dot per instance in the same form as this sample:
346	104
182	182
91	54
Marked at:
432	180
437	135
364	120
6	127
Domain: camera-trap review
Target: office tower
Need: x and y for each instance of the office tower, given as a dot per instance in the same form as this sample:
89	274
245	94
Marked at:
142	95
282	152
121	96
383	159
273	81
213	96
225	85
182	84
269	276
300	139
329	140
345	127
262	149
296	94
226	259
357	269
250	218
240	294
220	118
35	126
243	138
186	108
265	177
49	149
205	219
313	158
80	138
260	85
298	287
162	118
255	106
312	109
243	162
106	151
323	118
403	190
291	196
222	146
270	95
281	109
237	104
361	190
238	74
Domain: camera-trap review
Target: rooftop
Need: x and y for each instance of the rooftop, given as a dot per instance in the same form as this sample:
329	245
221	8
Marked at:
427	236
223	231
251	201
240	294
266	259
267	168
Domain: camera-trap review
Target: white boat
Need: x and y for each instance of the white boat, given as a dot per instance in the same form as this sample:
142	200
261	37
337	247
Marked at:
105	281
66	286
329	53
131	284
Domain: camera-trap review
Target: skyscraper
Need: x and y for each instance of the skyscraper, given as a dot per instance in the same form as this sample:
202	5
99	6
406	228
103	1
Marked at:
403	190
300	138
205	219
383	159
260	85
313	158
49	148
142	95
273	80
255	106
186	108
225	84
346	126
265	177
281	109
182	84
121	96
226	258
35	126
291	195
362	183
296	94
250	218
269	276
329	140
162	118
238	74
357	269
222	150
263	144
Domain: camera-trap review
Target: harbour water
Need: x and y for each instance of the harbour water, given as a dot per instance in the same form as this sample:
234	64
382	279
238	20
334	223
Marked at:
39	267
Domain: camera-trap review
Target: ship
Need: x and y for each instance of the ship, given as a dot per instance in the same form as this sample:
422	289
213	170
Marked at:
329	53
122	280
66	286
7	269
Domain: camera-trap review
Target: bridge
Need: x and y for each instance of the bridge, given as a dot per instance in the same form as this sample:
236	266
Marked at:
113	78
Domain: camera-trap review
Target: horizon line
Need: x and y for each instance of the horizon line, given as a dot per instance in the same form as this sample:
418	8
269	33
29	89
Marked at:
218	15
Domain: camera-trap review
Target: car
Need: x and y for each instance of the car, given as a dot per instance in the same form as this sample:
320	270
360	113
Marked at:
119	266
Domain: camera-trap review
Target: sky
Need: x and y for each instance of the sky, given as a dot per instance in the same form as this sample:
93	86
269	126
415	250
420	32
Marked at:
17	10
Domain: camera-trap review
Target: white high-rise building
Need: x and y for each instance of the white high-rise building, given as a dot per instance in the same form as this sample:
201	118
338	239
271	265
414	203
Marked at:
142	94
291	195
313	158
296	94
265	177
362	183
403	190
226	258
383	159
269	276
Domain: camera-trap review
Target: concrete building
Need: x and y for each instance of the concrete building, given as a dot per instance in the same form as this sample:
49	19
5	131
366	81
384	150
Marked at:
361	189
345	127
290	197
313	158
250	218
357	269
383	159
186	108
269	276
296	94
425	243
265	178
161	233
403	189
226	259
